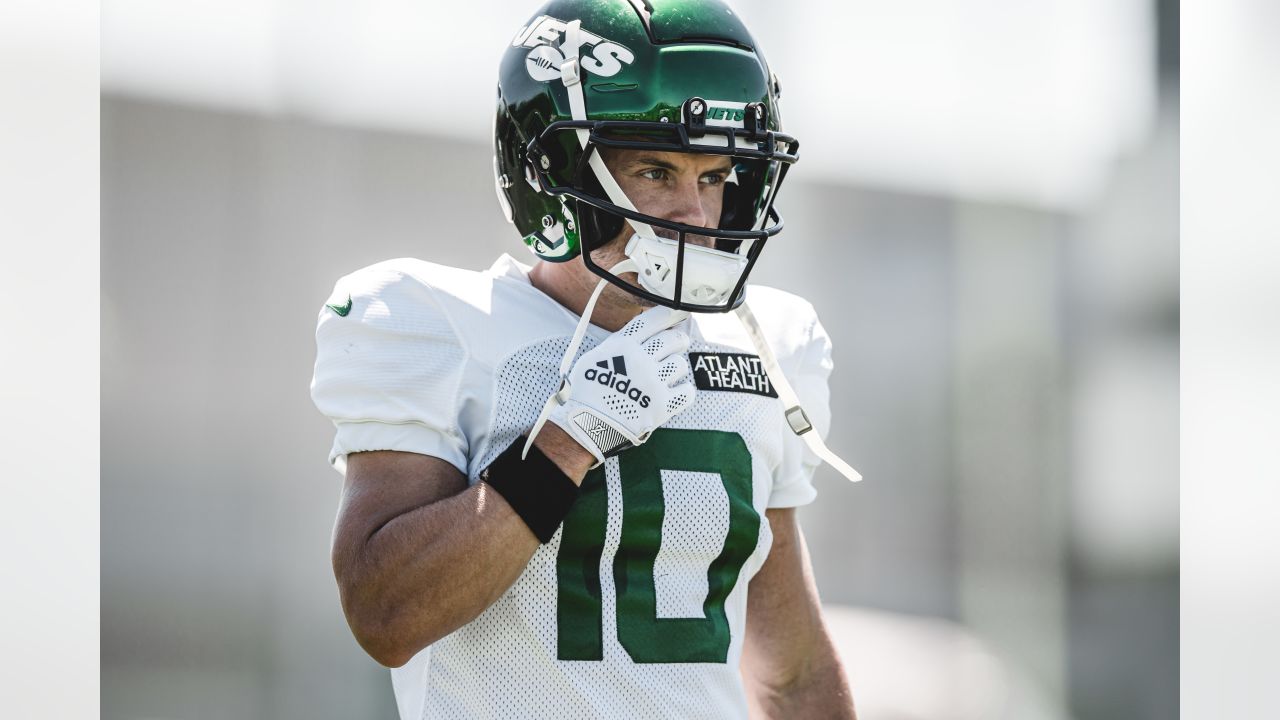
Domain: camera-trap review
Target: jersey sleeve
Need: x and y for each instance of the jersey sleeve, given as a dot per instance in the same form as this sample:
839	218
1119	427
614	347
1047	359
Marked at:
793	485
388	368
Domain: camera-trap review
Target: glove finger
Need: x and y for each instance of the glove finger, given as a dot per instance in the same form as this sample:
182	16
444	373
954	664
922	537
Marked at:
681	398
652	321
674	369
666	343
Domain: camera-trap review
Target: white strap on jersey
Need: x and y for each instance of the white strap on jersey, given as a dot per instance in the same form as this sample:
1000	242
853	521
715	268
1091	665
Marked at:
566	362
796	417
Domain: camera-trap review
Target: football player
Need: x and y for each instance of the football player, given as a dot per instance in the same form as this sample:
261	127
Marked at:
570	489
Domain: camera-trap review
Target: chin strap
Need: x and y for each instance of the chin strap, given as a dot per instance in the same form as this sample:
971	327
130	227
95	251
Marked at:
566	362
796	417
571	76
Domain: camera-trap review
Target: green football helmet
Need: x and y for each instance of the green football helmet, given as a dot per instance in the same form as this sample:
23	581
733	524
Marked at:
666	75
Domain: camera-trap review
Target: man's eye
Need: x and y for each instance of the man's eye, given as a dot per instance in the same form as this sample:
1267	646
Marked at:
654	174
714	178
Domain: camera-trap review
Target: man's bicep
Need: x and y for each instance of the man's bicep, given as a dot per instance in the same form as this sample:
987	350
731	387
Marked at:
385	484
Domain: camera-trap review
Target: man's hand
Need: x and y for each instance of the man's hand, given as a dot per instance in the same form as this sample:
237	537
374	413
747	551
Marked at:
627	386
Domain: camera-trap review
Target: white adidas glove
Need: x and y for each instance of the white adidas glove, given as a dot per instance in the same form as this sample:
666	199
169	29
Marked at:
616	394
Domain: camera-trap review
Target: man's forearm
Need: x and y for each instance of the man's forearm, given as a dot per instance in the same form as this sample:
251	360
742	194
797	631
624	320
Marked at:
428	571
821	693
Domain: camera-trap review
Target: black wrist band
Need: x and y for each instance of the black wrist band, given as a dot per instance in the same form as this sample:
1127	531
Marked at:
534	487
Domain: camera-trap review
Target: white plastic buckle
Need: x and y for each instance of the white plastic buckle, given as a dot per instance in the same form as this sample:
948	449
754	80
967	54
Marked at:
709	274
569	72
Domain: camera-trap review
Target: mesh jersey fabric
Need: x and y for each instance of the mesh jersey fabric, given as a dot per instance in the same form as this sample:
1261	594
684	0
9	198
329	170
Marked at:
636	608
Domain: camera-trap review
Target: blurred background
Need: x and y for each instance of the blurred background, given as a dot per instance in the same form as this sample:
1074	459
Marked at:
985	217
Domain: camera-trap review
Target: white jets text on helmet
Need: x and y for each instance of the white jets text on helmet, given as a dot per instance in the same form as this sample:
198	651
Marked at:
543	62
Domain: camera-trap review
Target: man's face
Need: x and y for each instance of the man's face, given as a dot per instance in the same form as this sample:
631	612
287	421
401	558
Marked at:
682	187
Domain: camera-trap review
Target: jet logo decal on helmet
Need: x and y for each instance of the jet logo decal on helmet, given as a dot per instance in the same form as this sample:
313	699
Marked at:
544	60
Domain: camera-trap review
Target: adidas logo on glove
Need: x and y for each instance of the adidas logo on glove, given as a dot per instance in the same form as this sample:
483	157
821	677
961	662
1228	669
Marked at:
654	346
616	379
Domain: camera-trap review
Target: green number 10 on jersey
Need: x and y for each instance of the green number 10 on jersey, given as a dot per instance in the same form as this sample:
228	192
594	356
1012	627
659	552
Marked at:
646	637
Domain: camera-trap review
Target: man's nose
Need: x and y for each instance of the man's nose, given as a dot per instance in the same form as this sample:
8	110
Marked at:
687	204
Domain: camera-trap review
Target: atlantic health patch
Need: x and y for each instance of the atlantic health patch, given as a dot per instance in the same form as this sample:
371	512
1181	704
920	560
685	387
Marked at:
733	372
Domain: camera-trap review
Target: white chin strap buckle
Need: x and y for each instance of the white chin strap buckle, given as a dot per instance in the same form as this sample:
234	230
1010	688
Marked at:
709	275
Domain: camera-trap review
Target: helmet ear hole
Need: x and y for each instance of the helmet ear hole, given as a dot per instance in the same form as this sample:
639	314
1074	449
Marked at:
598	226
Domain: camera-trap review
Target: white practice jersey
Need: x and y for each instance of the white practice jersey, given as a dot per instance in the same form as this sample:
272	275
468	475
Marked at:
637	606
